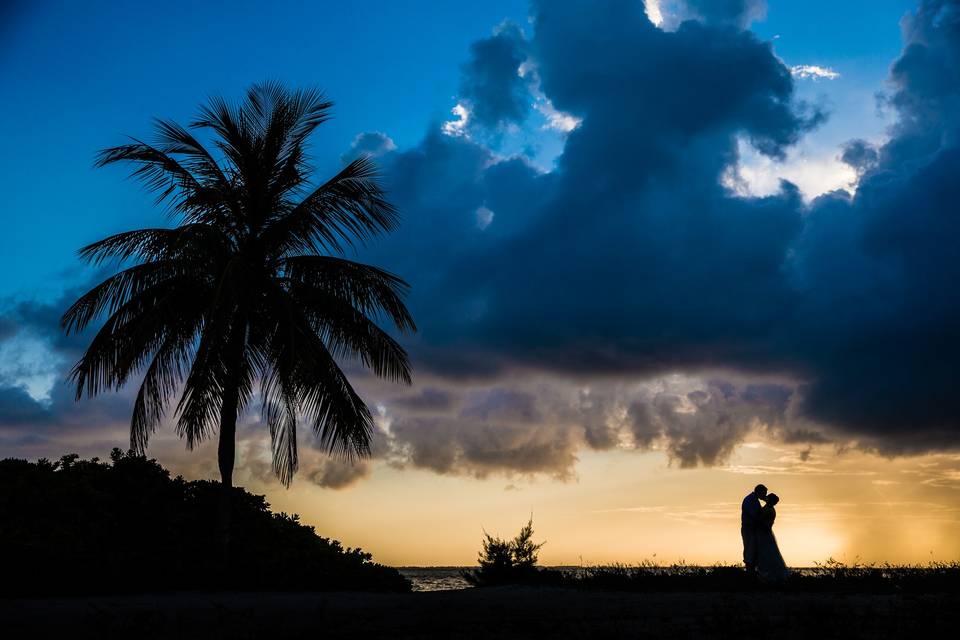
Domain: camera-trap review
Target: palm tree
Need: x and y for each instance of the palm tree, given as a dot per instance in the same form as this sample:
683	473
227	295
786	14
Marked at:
249	288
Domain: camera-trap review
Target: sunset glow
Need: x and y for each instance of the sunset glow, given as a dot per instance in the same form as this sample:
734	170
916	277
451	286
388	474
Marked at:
657	253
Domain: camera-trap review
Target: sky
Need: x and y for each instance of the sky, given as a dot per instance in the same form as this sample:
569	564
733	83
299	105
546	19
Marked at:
658	253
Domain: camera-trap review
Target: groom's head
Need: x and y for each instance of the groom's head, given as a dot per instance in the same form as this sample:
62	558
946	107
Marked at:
761	491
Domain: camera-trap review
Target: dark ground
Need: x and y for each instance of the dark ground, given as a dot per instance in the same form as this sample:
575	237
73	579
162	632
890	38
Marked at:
506	612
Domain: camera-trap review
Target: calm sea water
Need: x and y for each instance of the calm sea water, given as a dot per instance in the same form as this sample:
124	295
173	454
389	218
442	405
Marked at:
444	578
447	578
436	578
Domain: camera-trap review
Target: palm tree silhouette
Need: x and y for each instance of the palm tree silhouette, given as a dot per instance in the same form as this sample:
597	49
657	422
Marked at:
249	288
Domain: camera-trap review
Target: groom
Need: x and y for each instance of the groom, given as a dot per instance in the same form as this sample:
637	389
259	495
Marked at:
749	515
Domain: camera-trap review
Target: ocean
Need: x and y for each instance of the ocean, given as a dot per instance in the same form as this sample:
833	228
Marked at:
448	578
445	578
436	578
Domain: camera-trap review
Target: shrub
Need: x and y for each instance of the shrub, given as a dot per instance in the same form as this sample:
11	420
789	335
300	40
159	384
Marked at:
84	526
508	561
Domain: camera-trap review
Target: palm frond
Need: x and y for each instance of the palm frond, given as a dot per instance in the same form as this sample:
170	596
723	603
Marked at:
157	170
116	291
188	242
369	289
174	139
340	419
161	380
348	333
349	207
281	418
231	127
301	362
134	332
198	410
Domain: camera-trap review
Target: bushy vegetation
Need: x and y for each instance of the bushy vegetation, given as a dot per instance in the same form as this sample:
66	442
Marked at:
829	577
509	561
506	562
87	526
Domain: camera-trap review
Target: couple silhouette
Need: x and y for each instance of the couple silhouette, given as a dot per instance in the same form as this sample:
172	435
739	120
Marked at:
761	555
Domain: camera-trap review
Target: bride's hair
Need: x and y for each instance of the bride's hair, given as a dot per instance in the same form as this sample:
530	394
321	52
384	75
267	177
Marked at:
772	499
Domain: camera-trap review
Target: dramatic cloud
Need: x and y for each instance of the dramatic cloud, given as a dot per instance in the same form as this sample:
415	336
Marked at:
523	426
860	155
492	87
591	268
38	411
334	473
738	13
703	426
633	258
878	273
814	72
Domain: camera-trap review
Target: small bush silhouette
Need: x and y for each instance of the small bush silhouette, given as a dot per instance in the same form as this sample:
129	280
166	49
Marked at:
84	526
508	561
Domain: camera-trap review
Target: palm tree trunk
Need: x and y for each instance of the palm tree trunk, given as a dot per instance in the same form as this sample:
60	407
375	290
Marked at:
227	445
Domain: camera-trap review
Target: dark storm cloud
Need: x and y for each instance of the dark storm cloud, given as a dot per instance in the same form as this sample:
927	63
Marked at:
491	86
802	436
738	13
524	426
456	446
333	473
428	399
632	259
591	268
643	90
507	405
703	426
860	155
880	271
18	408
7	328
516	430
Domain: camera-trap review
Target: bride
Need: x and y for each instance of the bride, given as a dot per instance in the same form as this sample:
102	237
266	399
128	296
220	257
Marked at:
770	564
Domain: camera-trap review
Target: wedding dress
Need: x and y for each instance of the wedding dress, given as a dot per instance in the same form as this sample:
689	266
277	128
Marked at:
770	563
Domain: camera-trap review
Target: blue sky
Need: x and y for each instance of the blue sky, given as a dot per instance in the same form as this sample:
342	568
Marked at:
82	75
79	76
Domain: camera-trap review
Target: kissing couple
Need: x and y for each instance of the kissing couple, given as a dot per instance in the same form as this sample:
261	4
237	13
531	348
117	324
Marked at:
761	555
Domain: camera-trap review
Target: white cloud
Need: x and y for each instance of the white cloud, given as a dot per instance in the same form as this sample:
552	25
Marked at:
556	120
652	8
457	127
28	362
813	72
814	171
484	217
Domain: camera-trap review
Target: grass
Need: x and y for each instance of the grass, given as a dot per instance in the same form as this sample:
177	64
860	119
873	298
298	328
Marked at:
831	576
